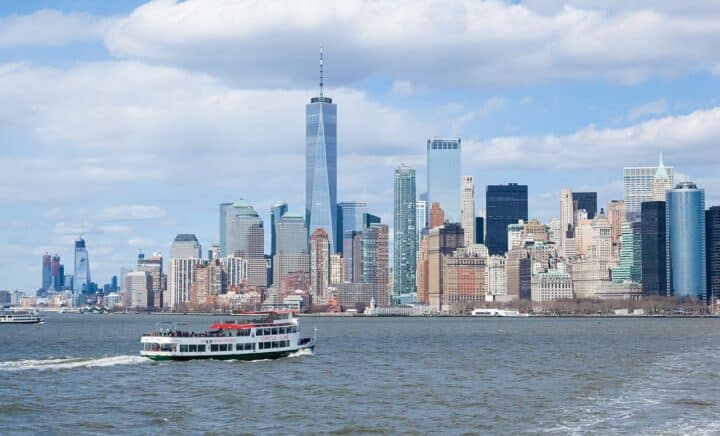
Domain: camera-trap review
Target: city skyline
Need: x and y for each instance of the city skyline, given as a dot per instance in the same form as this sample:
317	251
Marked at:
122	203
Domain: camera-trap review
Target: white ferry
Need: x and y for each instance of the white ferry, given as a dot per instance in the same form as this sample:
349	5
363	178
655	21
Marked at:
265	335
496	312
7	317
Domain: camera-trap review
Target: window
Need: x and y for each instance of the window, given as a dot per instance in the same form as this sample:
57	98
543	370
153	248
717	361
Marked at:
274	331
281	330
239	347
223	347
192	348
168	347
183	348
262	345
201	348
275	344
214	347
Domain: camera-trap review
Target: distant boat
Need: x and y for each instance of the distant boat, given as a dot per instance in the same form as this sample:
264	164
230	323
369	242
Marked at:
496	312
19	318
266	335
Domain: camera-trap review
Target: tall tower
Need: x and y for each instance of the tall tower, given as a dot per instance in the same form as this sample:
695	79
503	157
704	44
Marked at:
468	209
662	182
321	163
505	205
685	241
81	277
567	218
443	175
276	212
404	222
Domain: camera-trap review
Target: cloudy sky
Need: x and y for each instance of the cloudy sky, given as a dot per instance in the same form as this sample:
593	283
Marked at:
129	121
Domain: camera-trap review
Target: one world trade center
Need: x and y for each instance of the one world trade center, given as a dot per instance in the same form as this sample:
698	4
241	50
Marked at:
321	163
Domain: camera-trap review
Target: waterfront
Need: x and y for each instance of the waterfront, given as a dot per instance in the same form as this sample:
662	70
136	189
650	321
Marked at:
449	375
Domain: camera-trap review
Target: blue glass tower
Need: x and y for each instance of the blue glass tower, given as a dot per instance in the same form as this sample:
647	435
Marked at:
321	164
685	239
443	176
81	278
349	217
276	212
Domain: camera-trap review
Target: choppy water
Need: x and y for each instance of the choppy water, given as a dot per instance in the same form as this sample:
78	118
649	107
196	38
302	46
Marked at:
82	374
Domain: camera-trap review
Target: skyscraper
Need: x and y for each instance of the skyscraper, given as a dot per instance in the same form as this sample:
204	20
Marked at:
654	259
185	246
57	271
442	242
352	244
321	163
153	265
277	212
81	276
319	266
567	221
479	230
505	205
405	242
420	220
292	248
46	272
585	201
350	216
662	183
638	185
443	175
468	209
630	265
685	224
374	263
185	254
244	235
712	246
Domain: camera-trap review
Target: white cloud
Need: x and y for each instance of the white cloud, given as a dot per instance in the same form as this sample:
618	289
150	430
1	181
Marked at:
51	27
656	107
72	229
404	88
139	242
131	212
115	228
689	139
424	42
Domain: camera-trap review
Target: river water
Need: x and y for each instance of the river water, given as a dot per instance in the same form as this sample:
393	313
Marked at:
82	374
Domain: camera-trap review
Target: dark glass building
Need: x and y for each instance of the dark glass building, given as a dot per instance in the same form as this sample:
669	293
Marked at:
712	247
587	201
479	230
654	257
370	219
505	205
276	213
349	217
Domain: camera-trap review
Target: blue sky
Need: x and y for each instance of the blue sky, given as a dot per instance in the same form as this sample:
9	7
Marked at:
130	122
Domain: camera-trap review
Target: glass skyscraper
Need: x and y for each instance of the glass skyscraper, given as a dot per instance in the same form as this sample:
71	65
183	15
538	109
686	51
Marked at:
277	212
443	176
638	186
712	246
685	224
586	201
505	205
349	217
321	165
81	276
404	225
654	259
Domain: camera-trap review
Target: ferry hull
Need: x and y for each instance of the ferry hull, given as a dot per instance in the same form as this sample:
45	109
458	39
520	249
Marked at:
241	356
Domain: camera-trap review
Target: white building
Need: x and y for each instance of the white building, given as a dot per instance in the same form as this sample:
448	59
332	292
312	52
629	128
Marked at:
496	281
552	285
467	209
515	234
140	289
638	185
567	217
180	278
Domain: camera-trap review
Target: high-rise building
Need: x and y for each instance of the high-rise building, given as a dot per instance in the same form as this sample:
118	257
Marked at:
468	209
479	230
518	274
140	289
46	272
442	242
153	265
185	254
321	164
57	271
662	183
374	264
291	255
617	213
208	283
336	269
567	219
420	221
712	248
630	267
654	259
369	219
437	216
352	252
466	272
81	276
185	246
276	212
350	216
638	185
685	241
497	284
404	225
443	175
422	277
236	272
586	201
319	266
244	235
505	205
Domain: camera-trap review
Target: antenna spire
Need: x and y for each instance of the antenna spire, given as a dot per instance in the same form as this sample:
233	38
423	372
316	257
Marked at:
321	70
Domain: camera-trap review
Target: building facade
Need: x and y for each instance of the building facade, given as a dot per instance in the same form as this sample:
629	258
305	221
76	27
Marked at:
374	265
685	241
468	209
443	175
140	289
81	275
405	236
638	185
319	266
442	242
586	201
654	256
277	211
505	205
350	216
712	247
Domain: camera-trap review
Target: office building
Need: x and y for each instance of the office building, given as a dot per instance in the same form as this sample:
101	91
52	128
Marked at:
467	211
712	247
336	269
81	276
374	261
518	274
437	216
276	212
629	268
505	205
185	246
442	242
140	289
57	271
552	285
350	216
420	222
153	265
370	219
662	183
497	284
46	272
586	201
685	241
244	236
319	266
567	219
638	185
321	164
291	253
185	254
654	259
443	175
404	225
466	273
208	283
235	271
479	230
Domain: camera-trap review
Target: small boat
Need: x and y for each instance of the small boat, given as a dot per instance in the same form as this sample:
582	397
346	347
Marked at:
497	312
265	335
9	317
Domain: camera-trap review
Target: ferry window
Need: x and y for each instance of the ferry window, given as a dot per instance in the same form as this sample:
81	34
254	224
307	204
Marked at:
274	344
213	347
167	347
183	348
253	346
238	347
245	332
267	332
262	345
193	348
201	348
249	346
274	331
223	347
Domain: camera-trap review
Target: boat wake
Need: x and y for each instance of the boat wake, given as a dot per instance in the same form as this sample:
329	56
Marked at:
301	353
69	363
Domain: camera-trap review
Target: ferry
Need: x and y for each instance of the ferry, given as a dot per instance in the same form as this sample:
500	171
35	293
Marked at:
7	317
263	335
496	312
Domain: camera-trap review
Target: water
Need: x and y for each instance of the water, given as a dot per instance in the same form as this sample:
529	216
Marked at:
82	374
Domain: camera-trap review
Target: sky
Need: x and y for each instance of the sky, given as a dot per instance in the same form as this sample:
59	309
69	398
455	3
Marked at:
129	122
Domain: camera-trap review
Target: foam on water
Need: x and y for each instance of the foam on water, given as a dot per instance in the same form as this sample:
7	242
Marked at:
69	363
301	353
